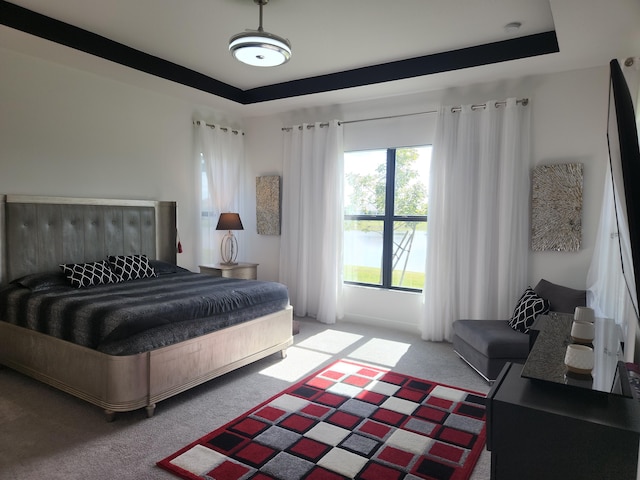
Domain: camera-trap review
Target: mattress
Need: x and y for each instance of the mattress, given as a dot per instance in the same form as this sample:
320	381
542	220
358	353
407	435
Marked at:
138	315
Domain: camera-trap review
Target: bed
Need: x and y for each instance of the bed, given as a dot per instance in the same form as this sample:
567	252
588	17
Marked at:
159	350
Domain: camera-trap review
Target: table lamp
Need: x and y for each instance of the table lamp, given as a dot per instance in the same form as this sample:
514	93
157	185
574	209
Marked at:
229	245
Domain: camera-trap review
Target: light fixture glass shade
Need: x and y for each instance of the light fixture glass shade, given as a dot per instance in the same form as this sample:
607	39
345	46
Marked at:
260	49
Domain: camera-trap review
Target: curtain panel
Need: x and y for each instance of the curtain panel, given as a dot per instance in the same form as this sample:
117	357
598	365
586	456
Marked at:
311	242
219	184
477	234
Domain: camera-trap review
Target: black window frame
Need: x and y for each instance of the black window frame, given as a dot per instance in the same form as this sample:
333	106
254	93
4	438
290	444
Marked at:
388	220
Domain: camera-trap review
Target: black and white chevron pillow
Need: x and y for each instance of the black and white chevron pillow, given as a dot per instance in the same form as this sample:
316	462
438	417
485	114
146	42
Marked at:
131	267
88	274
528	308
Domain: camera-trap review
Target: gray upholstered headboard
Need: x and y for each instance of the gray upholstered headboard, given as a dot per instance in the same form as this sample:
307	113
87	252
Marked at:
39	233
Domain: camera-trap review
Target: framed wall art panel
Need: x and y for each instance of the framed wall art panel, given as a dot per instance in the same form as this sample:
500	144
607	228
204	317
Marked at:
268	205
556	207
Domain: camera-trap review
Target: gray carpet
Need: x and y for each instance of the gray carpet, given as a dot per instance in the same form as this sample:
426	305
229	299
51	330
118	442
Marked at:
45	433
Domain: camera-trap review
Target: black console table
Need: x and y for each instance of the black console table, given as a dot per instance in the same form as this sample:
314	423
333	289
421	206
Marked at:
552	333
558	429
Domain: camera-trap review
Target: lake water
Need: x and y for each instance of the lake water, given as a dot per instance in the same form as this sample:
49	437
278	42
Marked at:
365	249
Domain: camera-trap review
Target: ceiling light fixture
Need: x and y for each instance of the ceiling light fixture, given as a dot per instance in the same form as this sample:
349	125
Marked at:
512	27
259	48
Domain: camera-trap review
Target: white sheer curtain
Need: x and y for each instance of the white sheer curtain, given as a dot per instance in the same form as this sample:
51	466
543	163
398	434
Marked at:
477	237
611	287
220	184
311	242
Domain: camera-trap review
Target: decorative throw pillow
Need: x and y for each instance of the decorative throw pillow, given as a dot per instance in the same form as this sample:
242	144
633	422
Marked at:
131	267
528	308
88	274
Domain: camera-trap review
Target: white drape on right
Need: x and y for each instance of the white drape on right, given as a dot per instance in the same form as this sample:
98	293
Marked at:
477	235
611	287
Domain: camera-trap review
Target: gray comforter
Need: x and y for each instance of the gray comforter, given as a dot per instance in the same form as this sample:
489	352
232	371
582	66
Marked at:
138	315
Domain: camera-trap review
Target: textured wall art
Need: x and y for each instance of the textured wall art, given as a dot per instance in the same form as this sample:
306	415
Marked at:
268	205
556	207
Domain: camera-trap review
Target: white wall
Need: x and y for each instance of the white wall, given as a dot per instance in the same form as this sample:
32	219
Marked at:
66	132
263	149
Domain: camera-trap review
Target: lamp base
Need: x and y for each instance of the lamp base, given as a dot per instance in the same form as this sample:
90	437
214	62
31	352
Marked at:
228	264
229	249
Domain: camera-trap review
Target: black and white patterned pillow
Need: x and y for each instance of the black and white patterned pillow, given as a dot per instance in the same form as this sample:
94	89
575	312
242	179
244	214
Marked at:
88	274
131	267
528	308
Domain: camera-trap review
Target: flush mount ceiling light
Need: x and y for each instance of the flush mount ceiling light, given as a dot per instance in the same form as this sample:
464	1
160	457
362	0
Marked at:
259	48
512	27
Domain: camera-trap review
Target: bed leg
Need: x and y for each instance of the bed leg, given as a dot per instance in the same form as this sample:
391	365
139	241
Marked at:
150	410
110	415
283	353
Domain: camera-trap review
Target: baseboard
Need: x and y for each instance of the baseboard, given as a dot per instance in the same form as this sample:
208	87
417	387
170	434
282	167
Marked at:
382	323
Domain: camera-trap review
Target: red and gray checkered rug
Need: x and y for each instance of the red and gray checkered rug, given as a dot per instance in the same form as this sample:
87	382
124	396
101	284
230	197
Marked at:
346	421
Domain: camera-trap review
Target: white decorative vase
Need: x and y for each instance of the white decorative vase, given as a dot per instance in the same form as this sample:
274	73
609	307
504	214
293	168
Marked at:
579	359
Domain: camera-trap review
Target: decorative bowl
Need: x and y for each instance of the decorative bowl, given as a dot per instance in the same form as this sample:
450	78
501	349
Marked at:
582	332
579	359
584	314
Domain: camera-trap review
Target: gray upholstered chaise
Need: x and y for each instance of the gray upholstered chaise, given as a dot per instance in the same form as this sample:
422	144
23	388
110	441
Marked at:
487	345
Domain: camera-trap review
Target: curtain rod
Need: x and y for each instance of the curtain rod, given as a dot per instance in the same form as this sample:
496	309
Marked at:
224	129
478	106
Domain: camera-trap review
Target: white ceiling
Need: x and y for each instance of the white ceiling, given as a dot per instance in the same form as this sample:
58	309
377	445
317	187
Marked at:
330	36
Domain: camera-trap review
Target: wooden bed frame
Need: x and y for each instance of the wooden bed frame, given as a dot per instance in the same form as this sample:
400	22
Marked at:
39	233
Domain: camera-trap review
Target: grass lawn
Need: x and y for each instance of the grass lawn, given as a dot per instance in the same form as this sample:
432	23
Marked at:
372	275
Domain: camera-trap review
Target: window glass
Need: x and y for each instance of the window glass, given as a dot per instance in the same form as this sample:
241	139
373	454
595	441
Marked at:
411	181
363	251
385	223
365	182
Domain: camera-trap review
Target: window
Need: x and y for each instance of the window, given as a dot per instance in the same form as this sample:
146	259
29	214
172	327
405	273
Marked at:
385	217
208	218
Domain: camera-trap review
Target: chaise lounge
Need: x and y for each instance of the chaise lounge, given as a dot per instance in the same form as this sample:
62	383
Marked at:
487	345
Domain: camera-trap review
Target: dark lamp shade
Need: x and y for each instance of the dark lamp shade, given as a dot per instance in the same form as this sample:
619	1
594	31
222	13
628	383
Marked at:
229	221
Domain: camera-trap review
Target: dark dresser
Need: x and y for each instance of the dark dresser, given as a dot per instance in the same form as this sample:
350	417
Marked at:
544	422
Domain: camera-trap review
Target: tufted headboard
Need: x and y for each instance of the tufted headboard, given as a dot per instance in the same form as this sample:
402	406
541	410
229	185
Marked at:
39	233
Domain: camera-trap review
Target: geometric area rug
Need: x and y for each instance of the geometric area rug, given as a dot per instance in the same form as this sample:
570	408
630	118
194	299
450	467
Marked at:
346	421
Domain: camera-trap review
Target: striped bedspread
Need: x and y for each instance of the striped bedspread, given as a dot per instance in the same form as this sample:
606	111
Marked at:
140	315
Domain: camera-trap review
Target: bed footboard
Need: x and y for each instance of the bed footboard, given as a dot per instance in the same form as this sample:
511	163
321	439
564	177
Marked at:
111	382
179	367
125	383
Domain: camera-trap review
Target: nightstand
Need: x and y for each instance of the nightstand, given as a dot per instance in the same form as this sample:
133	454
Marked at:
246	271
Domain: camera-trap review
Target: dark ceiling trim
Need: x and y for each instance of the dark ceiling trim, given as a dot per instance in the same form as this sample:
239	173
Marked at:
522	47
63	33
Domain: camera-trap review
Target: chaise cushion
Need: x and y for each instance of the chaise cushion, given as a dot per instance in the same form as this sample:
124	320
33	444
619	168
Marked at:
561	299
493	338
